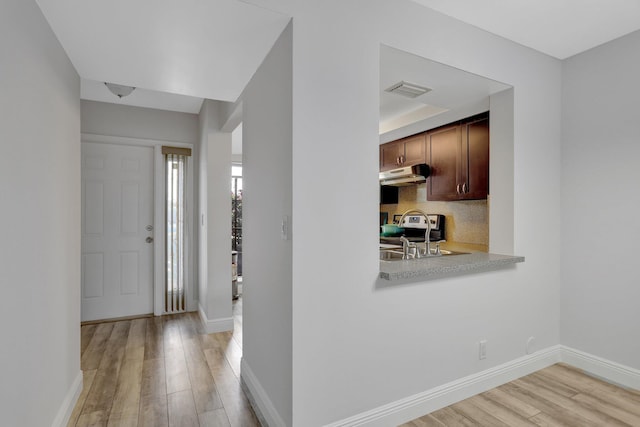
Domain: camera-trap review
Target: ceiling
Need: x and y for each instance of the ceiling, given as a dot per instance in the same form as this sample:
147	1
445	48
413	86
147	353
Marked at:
202	49
451	88
177	53
559	28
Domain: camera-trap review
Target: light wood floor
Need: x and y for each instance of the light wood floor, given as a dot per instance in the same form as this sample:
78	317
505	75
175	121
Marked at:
162	371
165	371
556	396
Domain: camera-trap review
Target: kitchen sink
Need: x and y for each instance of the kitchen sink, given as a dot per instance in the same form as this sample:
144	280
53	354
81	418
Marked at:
390	255
395	255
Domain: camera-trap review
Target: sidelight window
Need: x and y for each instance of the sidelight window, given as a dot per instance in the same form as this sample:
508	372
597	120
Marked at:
175	215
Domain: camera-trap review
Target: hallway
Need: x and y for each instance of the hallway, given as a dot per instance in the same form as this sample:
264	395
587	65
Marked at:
162	371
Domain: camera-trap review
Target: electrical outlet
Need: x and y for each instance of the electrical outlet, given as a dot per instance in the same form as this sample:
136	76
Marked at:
483	350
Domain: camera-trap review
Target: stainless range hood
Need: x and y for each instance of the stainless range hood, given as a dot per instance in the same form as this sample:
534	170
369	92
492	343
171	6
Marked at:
408	175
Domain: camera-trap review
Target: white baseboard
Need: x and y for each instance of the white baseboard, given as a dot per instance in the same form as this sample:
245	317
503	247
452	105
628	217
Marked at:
415	406
69	402
259	399
404	410
212	326
606	369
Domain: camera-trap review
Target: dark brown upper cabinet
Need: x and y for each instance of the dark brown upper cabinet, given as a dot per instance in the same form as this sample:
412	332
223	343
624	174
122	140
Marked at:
443	154
403	152
459	159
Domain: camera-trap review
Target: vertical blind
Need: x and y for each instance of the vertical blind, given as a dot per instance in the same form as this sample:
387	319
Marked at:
175	214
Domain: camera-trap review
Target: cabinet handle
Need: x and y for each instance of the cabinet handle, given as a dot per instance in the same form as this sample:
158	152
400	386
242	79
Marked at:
402	160
458	188
464	188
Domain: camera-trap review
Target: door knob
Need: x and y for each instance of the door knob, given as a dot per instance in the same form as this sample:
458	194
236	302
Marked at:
149	239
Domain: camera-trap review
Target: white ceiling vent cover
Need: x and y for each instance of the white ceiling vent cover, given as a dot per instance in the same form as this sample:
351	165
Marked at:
410	90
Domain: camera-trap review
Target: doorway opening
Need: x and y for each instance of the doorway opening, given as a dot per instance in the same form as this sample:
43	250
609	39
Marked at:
236	228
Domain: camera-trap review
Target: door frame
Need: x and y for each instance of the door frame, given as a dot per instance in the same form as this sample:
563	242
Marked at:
159	256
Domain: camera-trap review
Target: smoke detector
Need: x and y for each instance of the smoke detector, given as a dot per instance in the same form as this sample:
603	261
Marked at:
409	90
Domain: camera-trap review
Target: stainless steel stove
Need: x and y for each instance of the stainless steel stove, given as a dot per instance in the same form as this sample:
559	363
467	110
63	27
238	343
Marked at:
415	227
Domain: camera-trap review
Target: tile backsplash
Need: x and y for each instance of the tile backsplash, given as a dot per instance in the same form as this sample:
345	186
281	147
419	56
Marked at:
467	221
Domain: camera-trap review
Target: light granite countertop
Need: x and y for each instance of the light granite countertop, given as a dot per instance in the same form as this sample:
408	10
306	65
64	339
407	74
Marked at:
443	266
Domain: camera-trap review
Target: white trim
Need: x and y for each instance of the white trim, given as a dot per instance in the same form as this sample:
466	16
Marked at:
258	397
415	406
407	409
605	369
69	402
212	326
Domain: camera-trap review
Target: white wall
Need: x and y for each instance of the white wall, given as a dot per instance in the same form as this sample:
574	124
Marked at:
357	343
215	219
104	118
267	197
39	220
600	206
501	173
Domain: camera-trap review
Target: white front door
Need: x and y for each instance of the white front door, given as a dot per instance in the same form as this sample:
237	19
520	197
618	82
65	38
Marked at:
117	230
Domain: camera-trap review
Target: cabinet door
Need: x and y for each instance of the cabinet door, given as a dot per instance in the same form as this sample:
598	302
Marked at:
391	154
443	156
475	160
414	150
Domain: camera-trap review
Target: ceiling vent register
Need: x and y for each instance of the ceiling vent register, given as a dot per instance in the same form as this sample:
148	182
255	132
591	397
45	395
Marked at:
409	90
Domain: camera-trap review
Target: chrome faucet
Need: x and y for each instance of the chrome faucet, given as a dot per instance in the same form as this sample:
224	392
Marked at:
406	245
427	235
